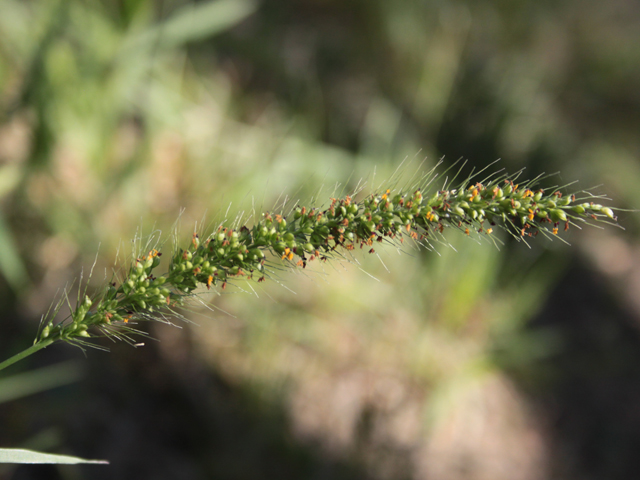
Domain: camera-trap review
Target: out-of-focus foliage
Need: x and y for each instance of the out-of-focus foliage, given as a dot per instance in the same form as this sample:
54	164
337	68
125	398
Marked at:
117	115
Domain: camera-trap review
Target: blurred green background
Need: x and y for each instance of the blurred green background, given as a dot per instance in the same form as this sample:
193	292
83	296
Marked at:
118	117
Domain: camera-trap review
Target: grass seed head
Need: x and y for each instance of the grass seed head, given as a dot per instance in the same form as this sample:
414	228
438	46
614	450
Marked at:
314	233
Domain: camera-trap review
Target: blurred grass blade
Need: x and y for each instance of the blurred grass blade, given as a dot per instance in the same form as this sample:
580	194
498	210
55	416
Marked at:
21	385
196	22
11	455
11	265
10	176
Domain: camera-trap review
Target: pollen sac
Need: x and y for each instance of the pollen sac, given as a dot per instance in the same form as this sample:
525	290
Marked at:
78	315
579	209
82	331
87	302
370	226
557	215
256	254
608	212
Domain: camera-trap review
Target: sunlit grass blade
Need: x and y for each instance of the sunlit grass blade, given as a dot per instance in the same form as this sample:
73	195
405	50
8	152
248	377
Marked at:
14	455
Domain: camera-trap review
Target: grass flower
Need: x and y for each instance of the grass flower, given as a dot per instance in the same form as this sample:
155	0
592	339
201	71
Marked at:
310	233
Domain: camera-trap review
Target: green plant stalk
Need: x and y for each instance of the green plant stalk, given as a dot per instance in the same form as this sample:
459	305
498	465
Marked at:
308	234
25	353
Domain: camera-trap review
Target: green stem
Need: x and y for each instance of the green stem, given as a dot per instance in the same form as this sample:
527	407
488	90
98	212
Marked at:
25	353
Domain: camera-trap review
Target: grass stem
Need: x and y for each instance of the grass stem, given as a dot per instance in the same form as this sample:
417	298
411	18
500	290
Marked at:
25	353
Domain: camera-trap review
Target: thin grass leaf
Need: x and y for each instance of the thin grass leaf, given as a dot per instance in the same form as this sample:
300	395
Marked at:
11	265
36	381
195	22
14	455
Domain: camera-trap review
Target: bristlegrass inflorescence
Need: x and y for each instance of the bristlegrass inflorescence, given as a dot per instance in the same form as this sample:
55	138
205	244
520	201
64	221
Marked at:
307	234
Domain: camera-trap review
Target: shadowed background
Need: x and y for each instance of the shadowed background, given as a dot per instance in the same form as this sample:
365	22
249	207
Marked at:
119	117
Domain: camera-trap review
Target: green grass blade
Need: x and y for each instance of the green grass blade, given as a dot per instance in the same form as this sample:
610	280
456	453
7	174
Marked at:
11	265
28	383
15	455
196	22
